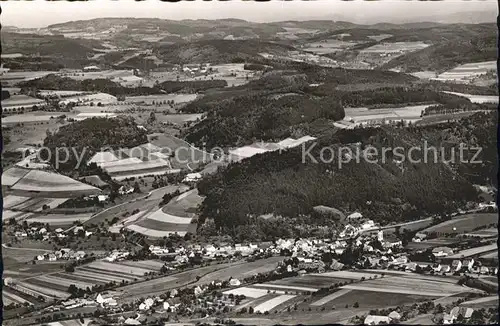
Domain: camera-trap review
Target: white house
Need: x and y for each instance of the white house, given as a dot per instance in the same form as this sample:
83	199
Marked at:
456	265
354	216
442	251
375	320
192	177
445	268
468	263
234	282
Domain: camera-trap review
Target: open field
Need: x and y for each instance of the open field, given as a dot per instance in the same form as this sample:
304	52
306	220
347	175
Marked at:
485	233
403	285
330	297
43	118
29	133
60	219
364	115
43	290
159	215
309	282
491	255
140	203
146	264
475	251
21	255
10	297
136	271
396	47
372	299
147	231
468	71
486	302
478	98
175	217
281	287
250	292
328	46
208	274
465	223
272	303
349	275
149	99
185	156
12	200
46	182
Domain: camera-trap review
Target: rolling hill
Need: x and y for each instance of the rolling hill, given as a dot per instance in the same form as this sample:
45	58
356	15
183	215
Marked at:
289	184
219	51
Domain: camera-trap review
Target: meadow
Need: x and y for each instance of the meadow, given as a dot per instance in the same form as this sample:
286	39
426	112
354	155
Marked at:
463	224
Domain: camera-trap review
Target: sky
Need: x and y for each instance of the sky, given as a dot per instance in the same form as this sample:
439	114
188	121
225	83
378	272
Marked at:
40	13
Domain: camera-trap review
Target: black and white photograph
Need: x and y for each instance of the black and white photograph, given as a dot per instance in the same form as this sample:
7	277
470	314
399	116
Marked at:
250	163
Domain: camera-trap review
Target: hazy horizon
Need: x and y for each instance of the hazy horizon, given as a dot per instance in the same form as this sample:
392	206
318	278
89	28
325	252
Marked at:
39	14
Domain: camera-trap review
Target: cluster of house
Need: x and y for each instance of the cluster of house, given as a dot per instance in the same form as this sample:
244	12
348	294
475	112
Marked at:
40	231
209	251
466	265
64	253
451	318
196	68
117	255
105	299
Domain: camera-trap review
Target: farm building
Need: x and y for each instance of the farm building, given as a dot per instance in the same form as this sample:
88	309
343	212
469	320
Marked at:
375	320
91	68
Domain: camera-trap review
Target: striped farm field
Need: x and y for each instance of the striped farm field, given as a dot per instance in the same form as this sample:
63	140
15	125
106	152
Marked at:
12	297
12	200
147	264
46	284
112	267
346	275
159	215
373	300
404	285
285	287
101	276
64	281
11	176
308	281
46	182
32	204
79	279
7	214
163	226
330	297
43	290
273	303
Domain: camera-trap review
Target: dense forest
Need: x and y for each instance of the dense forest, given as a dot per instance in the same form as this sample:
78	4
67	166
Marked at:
386	191
84	138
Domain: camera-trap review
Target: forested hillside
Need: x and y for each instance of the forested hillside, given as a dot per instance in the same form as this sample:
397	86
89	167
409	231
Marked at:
445	55
83	138
384	191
